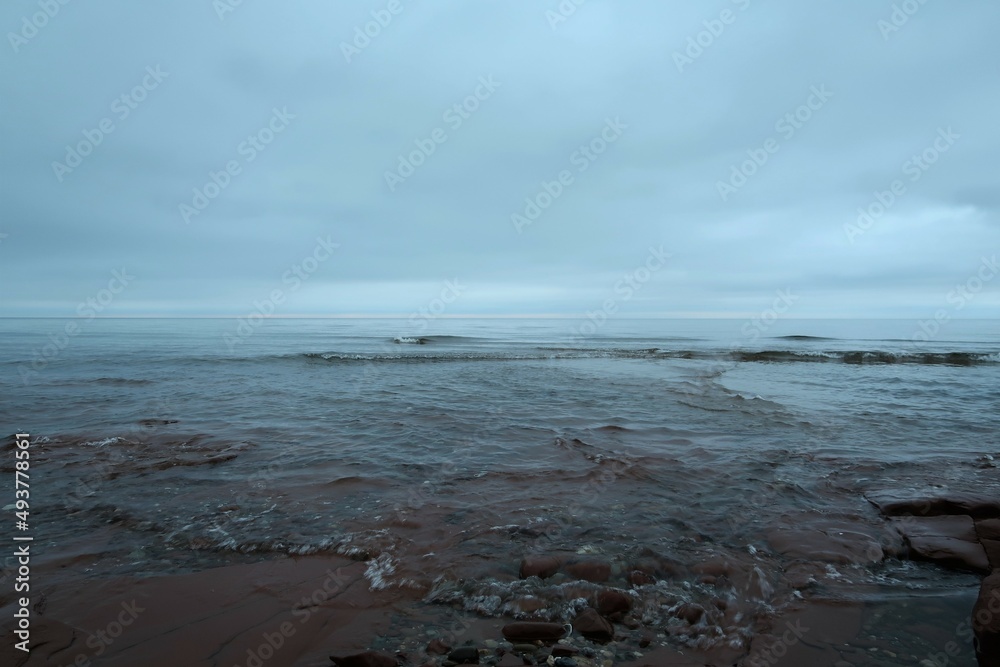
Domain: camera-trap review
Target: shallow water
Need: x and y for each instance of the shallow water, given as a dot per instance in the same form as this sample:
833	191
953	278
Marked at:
444	456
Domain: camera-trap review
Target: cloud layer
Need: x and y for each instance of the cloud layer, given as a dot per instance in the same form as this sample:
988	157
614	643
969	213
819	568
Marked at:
536	154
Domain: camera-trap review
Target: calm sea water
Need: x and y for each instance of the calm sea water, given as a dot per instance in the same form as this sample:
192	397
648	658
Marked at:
444	451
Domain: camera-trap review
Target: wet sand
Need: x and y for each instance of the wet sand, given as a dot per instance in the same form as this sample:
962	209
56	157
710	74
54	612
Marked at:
297	611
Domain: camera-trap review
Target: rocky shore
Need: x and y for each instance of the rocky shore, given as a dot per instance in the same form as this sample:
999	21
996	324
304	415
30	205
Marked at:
318	610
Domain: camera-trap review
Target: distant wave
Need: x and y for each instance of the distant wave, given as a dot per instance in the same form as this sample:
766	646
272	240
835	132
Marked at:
404	340
873	357
424	340
856	357
801	337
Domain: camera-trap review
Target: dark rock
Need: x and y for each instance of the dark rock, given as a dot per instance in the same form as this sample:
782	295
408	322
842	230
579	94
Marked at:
986	621
611	602
992	548
658	565
640	578
948	540
592	625
691	613
529	631
539	566
466	655
590	570
564	662
714	567
645	640
563	651
366	659
988	531
893	503
437	647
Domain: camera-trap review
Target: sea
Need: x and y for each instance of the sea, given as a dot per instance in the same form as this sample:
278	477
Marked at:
444	451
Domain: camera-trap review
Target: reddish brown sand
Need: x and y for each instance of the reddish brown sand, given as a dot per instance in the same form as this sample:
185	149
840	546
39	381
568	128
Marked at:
323	606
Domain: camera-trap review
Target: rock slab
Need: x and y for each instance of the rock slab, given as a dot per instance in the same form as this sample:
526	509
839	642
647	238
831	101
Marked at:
948	540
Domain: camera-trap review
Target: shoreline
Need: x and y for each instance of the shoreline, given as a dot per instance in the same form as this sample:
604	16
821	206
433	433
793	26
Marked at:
297	611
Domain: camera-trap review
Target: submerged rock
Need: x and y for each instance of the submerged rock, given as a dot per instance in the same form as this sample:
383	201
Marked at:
592	625
595	571
437	647
539	566
611	602
828	540
894	503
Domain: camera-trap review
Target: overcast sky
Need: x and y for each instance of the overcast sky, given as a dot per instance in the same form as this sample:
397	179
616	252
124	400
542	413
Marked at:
639	116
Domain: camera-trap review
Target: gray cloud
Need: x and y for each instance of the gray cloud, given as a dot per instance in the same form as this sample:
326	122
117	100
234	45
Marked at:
324	173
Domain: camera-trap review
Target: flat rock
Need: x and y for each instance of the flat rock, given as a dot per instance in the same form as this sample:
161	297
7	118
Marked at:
595	571
896	503
828	540
592	625
366	659
539	566
529	631
986	621
948	540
